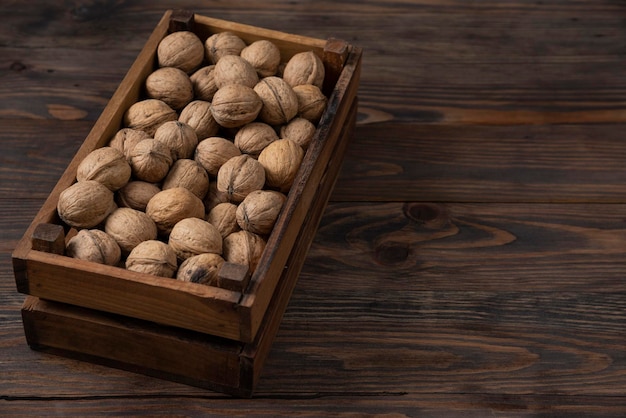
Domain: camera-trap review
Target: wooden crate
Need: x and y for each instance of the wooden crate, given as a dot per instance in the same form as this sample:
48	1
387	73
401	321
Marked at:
237	310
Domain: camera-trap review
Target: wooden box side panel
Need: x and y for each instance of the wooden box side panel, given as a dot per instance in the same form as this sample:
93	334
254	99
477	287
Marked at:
303	194
135	346
166	301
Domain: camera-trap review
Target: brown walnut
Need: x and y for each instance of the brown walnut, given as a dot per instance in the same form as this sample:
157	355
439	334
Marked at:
304	68
259	211
197	114
213	152
193	236
150	160
311	102
252	138
280	103
125	140
85	204
94	245
221	44
136	194
179	137
224	217
106	165
203	82
129	227
232	69
147	115
170	206
183	50
234	105
201	268
170	85
264	56
239	176
299	130
188	174
281	160
243	247
153	257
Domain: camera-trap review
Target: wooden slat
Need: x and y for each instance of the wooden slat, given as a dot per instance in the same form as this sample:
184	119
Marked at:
543	163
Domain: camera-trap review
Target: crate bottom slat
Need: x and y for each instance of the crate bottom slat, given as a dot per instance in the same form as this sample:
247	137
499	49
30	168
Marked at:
139	346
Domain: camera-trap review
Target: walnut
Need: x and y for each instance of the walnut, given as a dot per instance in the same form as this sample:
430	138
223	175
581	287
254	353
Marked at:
213	152
281	160
264	56
129	227
125	140
243	247
183	50
201	268
94	245
224	217
150	160
193	236
85	204
170	85
188	174
253	137
153	257
221	44
304	68
311	102
232	69
203	82
239	176
259	211
147	115
105	165
179	137
169	206
234	105
136	194
197	114
280	103
299	130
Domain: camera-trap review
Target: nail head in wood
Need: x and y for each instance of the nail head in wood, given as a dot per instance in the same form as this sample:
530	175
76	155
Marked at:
181	20
49	238
233	276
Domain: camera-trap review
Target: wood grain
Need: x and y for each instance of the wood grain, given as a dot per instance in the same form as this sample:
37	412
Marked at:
470	263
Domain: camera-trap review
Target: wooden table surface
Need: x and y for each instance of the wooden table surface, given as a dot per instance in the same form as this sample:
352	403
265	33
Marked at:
472	260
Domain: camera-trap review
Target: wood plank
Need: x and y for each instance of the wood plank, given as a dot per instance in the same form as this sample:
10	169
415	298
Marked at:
543	163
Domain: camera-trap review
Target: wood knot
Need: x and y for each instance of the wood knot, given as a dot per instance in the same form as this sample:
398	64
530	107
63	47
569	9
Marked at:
392	253
427	214
17	66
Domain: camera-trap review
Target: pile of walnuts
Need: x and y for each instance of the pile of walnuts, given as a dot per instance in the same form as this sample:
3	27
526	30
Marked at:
199	171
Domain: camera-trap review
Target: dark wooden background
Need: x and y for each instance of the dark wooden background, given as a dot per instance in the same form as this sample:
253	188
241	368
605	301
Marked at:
472	260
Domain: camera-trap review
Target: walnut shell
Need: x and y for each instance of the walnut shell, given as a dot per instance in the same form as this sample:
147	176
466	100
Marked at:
304	68
243	247
213	152
234	105
232	69
239	176
183	50
193	236
280	103
201	268
129	227
170	206
264	56
179	137
153	257
147	115
311	102
259	211
125	140
94	245
170	85
203	82
223	43
106	165
136	194
197	114
150	160
252	138
224	217
85	204
281	160
188	174
299	130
